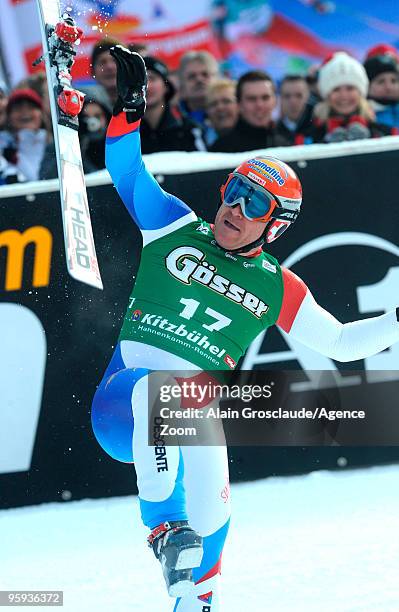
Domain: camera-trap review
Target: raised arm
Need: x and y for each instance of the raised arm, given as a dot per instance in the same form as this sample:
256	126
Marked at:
151	207
304	320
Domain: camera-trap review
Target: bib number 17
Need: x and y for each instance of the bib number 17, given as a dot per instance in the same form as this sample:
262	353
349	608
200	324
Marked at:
191	306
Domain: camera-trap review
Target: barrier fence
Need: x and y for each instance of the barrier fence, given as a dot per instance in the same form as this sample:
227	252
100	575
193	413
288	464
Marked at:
57	335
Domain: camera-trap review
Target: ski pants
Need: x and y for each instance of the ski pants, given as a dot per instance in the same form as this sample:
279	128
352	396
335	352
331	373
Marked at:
189	483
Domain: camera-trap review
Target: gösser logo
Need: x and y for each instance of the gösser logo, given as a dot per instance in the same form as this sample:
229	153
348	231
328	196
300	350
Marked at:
381	296
180	264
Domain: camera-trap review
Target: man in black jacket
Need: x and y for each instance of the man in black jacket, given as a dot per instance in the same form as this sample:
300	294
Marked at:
295	109
163	128
255	128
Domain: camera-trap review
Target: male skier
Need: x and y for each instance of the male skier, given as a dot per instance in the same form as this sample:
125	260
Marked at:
202	294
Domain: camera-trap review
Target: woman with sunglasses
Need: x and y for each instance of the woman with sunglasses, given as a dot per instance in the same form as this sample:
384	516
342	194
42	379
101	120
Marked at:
203	292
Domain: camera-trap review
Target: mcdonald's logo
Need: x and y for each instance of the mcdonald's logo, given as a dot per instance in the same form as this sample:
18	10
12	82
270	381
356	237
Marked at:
16	242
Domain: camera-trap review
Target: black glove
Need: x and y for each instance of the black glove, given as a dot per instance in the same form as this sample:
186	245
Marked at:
131	81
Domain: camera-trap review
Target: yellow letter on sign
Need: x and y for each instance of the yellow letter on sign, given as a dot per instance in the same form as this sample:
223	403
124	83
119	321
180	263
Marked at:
16	243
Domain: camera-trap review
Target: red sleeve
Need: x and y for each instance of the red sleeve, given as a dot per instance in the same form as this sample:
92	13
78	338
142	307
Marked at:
118	126
293	296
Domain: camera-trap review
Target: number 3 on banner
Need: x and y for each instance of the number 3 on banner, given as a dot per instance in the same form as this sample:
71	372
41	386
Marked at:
190	307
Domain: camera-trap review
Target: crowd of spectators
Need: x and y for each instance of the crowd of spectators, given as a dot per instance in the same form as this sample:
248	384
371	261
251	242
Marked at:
196	108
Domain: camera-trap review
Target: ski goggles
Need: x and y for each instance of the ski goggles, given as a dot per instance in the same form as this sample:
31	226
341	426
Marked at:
256	203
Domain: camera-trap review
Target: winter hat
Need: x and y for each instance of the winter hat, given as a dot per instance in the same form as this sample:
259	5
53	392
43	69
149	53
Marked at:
342	69
377	64
383	50
156	65
24	94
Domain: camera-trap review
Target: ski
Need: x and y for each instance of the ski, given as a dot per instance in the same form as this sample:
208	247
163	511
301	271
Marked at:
59	35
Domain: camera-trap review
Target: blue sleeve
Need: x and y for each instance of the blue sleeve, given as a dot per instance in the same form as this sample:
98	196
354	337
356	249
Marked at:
150	206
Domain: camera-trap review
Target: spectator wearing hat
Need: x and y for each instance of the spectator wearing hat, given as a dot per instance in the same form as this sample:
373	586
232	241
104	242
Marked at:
23	144
103	70
345	113
382	67
38	82
162	129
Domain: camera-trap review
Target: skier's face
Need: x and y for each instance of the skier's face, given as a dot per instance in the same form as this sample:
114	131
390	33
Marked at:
233	230
24	114
345	99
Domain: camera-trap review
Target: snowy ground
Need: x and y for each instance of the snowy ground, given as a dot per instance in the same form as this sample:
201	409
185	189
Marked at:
322	542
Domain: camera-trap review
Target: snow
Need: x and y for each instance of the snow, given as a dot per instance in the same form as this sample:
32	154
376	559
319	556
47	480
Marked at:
322	542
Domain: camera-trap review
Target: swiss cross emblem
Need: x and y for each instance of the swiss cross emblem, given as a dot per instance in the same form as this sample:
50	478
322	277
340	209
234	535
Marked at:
230	362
